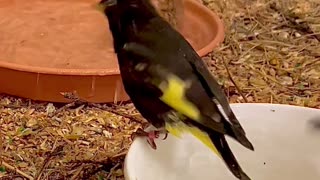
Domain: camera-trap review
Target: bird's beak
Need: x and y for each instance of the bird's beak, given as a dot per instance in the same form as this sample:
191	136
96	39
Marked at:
104	4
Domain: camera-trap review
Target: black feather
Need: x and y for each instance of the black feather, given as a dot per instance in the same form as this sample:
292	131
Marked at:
222	146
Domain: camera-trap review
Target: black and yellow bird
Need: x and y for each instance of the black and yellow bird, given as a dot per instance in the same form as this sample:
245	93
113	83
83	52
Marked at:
168	82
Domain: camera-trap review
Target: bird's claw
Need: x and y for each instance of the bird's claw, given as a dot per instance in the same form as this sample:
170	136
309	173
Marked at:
151	136
152	143
139	132
165	136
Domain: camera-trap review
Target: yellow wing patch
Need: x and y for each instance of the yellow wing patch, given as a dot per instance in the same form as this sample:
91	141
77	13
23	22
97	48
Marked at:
174	96
179	128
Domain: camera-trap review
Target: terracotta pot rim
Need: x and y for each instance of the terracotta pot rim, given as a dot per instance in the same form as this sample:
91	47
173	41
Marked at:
102	72
220	29
55	71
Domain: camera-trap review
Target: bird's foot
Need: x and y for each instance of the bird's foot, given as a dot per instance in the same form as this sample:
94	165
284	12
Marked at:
151	136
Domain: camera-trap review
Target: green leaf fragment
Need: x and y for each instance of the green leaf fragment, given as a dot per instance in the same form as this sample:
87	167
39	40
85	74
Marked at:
100	177
2	169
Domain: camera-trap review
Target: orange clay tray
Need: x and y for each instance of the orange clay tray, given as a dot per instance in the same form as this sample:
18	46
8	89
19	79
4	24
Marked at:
53	46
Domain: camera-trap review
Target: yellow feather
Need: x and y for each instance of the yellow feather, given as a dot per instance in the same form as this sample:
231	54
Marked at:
179	128
174	96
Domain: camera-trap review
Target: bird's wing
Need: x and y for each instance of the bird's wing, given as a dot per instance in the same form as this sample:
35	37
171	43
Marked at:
174	89
211	85
175	43
183	92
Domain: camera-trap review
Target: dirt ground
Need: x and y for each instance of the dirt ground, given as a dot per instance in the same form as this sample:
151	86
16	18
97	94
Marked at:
270	55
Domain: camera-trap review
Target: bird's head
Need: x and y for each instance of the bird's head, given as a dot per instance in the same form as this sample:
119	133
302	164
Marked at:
126	18
107	5
137	7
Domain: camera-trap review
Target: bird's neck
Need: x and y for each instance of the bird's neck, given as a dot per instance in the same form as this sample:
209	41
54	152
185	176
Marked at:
116	31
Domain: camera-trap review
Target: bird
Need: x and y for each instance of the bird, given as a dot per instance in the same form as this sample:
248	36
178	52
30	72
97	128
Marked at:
168	82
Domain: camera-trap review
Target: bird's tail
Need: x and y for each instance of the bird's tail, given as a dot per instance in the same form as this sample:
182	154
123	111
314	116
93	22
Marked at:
226	154
235	131
214	141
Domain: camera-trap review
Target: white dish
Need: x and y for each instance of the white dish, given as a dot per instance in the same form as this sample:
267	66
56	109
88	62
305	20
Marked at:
286	148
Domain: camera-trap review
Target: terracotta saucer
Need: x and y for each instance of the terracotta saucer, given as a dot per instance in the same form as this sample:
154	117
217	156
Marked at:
49	47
